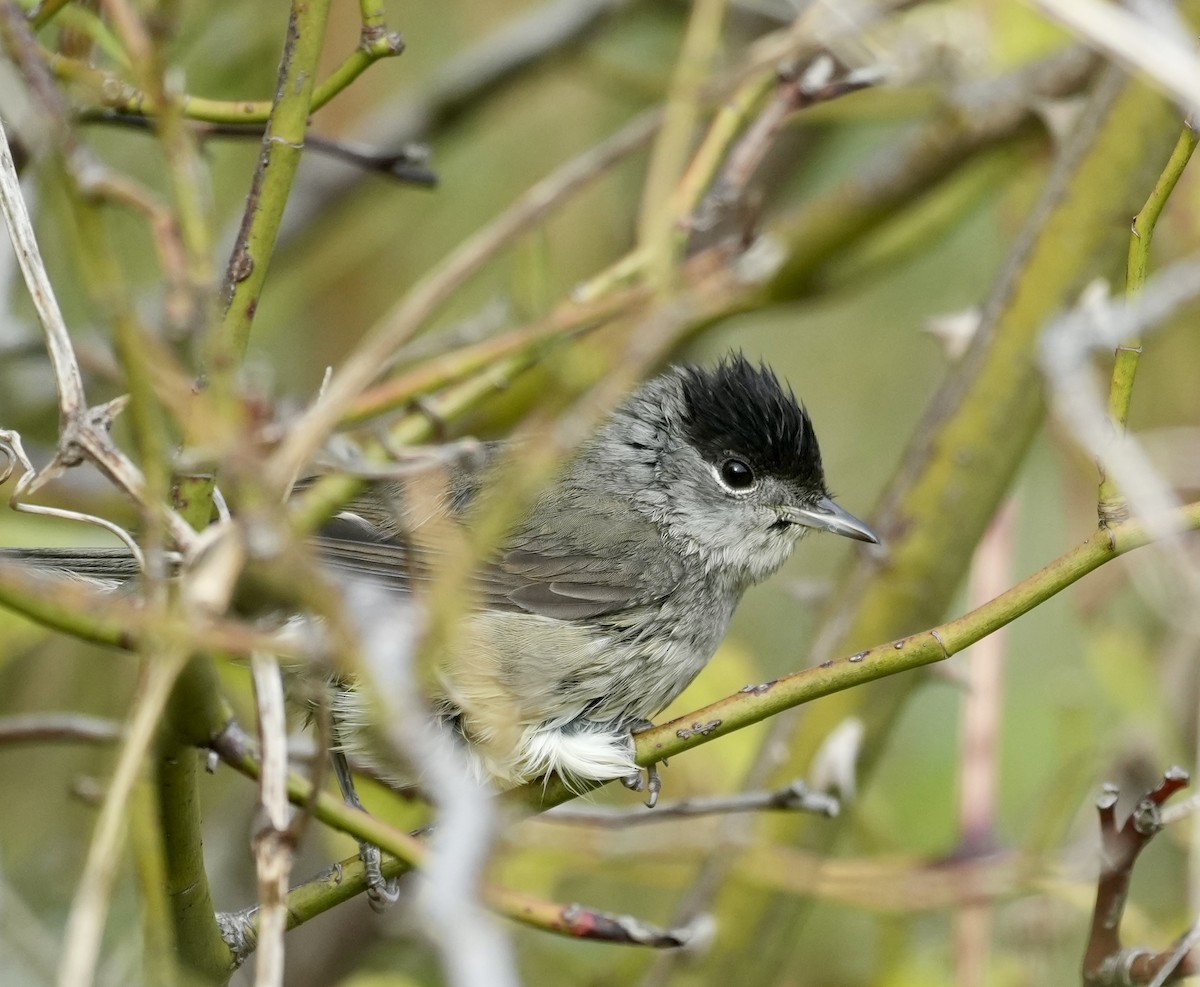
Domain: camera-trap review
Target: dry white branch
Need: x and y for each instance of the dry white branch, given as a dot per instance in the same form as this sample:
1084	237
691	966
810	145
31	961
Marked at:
273	843
1149	39
83	431
62	356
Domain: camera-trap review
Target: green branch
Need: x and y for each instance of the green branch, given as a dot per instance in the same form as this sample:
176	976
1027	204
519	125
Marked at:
347	878
113	93
1112	505
757	702
283	143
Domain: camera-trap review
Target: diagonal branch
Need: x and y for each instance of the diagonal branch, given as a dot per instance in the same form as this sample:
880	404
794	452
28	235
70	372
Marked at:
755	703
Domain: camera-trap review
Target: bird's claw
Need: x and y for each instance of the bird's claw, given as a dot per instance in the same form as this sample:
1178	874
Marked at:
381	892
647	781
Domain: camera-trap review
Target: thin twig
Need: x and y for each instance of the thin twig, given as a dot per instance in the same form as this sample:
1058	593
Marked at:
1111	504
795	90
112	92
71	400
461	82
39	728
794	797
408	165
1099	323
567	321
282	144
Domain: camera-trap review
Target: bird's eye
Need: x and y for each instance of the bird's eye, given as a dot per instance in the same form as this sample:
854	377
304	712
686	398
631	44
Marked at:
737	475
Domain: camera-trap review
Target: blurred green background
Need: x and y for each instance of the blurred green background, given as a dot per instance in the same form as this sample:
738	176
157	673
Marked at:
1097	684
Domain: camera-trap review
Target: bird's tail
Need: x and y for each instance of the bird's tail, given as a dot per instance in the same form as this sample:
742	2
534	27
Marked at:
102	564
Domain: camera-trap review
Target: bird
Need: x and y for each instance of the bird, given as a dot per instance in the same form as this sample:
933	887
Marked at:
610	593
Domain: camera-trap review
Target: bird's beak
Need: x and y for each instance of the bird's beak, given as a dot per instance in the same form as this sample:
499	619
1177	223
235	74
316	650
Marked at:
826	515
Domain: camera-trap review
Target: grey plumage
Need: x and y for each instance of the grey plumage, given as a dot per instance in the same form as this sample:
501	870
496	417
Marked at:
618	585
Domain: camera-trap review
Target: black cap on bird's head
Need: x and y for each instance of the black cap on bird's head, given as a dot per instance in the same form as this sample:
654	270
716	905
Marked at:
738	409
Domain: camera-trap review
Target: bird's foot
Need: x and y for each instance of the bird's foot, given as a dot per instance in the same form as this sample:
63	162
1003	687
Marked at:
647	780
381	891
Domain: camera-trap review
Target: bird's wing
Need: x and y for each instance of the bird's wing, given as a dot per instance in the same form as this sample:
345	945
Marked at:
569	583
602	558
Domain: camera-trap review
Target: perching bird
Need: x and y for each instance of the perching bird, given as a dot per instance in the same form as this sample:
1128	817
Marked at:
617	586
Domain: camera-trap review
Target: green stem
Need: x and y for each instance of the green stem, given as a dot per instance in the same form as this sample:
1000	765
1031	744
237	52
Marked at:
146	844
196	712
1112	505
282	146
198	941
335	886
113	93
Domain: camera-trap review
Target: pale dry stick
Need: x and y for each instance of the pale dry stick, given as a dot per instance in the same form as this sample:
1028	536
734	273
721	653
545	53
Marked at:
71	400
1065	347
1162	50
1181	810
89	910
272	843
83	431
424	299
